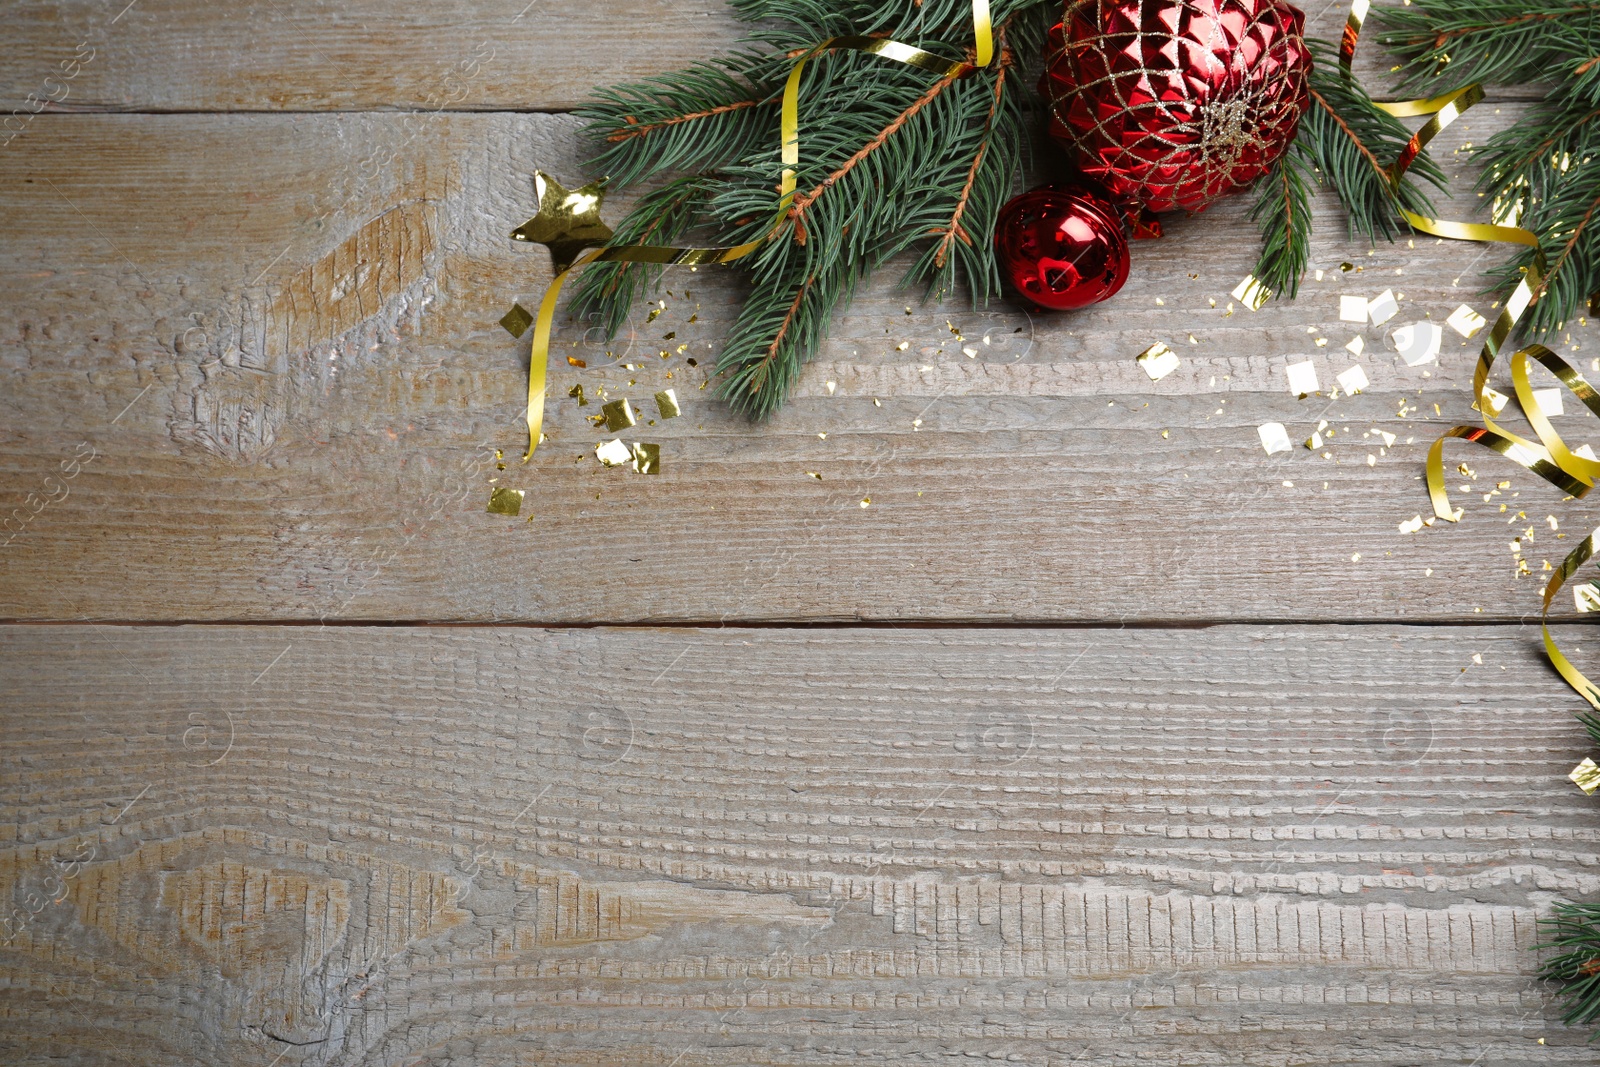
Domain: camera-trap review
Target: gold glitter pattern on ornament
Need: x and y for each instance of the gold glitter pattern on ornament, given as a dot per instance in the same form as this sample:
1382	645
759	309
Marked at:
1177	104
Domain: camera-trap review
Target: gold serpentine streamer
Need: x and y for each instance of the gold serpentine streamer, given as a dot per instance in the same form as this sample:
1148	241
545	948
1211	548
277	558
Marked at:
1549	457
1569	566
983	32
1572	474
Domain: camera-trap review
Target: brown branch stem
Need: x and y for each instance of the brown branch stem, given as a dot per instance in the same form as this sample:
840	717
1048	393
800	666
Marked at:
639	129
1566	251
1345	126
804	200
759	375
955	228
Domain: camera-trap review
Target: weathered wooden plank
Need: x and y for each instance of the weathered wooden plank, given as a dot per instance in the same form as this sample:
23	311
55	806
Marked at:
1238	845
281	372
300	55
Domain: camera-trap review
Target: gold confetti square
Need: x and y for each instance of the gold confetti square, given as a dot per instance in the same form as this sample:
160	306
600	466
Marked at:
1586	776
1158	361
667	403
517	320
505	501
613	453
1274	438
646	458
1586	597
1302	378
1465	321
619	415
1353	380
1252	293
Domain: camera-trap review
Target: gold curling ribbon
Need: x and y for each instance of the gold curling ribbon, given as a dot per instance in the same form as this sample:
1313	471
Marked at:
1569	566
1556	465
1549	457
983	32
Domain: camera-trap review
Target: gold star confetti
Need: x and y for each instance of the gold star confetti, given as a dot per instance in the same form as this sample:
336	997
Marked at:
667	403
568	220
1586	776
505	501
619	415
646	459
517	320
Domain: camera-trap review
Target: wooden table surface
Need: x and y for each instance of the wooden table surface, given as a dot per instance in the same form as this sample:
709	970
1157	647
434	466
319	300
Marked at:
990	703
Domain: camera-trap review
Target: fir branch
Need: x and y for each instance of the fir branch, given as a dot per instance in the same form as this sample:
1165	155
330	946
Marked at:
1575	932
1451	43
1591	722
1549	166
606	291
804	201
1352	144
1283	211
694	119
891	158
937	265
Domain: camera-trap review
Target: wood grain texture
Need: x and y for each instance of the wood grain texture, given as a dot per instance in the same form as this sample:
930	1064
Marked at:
1238	845
278	336
309	55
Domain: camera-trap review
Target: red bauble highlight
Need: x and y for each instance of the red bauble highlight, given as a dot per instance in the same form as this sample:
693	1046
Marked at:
1174	103
1062	246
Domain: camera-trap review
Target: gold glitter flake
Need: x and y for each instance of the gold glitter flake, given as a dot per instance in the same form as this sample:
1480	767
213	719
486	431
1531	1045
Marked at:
667	403
577	392
517	320
505	501
1586	776
619	415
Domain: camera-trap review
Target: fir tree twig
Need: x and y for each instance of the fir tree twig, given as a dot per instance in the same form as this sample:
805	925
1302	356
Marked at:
1543	171
1575	931
1283	211
1352	144
891	159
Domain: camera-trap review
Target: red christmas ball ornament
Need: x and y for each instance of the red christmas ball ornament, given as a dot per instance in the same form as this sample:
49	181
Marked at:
1174	103
1062	246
